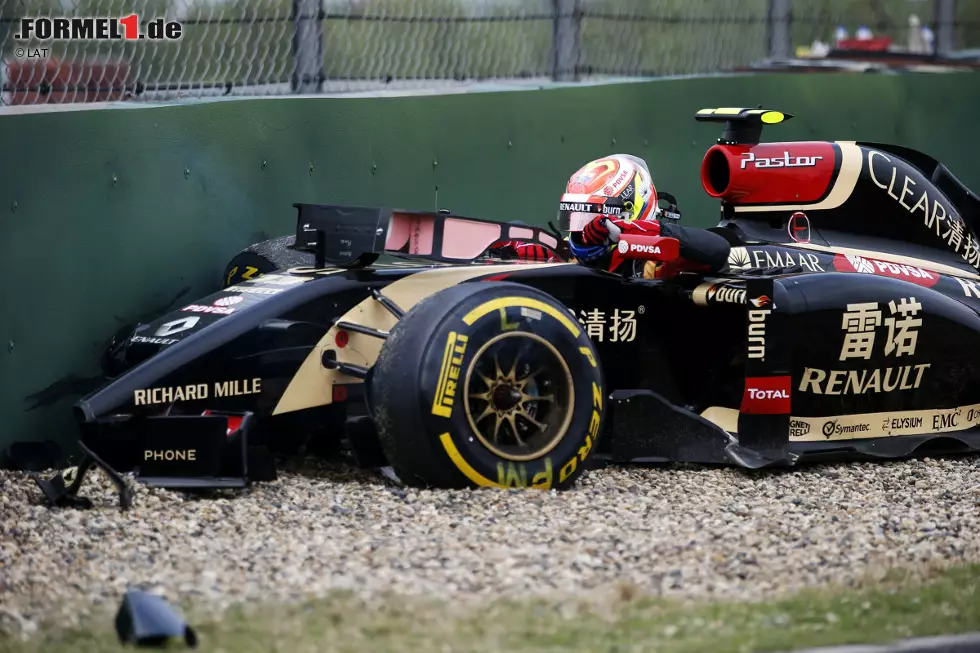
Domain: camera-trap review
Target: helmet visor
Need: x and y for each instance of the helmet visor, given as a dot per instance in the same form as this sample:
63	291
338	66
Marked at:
577	221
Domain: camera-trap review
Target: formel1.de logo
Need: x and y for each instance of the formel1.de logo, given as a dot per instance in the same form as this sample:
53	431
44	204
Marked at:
98	29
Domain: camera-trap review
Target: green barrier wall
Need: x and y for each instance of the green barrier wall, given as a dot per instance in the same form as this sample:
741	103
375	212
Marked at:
108	215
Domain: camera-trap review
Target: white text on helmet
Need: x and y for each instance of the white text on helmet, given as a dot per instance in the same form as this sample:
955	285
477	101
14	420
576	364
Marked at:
590	208
584	208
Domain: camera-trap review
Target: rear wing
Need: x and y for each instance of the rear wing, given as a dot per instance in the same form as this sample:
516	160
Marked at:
353	236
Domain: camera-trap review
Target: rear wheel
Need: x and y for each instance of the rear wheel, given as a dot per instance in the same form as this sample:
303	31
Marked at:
488	384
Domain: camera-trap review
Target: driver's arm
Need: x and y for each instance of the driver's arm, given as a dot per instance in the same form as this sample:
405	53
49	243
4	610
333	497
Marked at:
700	250
523	251
699	246
605	230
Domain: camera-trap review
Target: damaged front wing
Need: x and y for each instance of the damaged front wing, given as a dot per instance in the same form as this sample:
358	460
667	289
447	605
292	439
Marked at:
178	452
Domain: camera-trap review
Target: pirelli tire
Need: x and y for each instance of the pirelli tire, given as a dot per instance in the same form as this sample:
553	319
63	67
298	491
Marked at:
488	384
262	258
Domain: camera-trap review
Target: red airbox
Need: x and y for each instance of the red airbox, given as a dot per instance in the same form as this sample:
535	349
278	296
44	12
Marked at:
769	173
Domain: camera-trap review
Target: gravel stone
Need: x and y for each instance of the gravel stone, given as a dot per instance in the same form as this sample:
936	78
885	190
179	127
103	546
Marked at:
678	531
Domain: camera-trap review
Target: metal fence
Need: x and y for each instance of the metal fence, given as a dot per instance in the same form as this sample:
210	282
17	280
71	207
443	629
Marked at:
269	47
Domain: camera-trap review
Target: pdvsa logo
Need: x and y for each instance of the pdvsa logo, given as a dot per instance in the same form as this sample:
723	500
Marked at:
906	272
626	248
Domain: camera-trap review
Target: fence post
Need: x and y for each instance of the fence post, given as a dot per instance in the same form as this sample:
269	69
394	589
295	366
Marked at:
307	47
566	41
779	32
945	24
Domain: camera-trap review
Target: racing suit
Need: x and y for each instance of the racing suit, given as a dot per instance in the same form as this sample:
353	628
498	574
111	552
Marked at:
700	250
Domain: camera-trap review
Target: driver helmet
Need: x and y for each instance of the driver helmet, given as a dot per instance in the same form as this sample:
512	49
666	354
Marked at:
619	186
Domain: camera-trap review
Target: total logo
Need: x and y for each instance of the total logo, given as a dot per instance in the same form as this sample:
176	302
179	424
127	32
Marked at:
766	395
784	161
626	248
757	393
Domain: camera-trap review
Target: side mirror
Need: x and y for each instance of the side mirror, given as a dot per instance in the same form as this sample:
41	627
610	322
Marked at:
670	211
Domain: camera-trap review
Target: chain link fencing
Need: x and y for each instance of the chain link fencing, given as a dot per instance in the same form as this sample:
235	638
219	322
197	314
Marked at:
273	47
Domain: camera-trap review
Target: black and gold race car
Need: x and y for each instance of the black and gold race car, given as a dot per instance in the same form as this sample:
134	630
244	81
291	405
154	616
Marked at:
846	326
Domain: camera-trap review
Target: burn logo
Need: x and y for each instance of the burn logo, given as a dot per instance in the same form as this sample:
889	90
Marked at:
757	332
726	294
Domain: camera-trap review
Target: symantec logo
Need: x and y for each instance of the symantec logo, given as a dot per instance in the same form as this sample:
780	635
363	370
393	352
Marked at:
98	29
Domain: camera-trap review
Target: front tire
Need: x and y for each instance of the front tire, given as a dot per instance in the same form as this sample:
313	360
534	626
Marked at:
488	385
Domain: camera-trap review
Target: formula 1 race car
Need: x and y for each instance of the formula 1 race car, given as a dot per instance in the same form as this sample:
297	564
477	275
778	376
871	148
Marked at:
845	327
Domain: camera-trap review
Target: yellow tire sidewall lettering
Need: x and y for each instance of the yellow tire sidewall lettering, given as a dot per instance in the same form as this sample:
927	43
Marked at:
444	399
543	472
521	302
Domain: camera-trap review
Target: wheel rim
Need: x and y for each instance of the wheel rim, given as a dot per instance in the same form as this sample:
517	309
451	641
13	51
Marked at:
519	396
